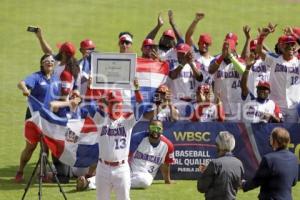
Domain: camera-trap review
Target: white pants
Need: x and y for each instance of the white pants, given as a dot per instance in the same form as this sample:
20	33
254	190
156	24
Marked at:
110	178
141	180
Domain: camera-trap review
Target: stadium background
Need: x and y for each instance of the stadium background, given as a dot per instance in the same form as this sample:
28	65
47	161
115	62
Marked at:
101	21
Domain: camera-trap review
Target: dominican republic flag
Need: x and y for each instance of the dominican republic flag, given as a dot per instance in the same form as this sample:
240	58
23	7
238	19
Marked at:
73	141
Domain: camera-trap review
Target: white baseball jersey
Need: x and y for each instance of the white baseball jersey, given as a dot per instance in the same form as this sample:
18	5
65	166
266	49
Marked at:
114	138
147	158
227	83
204	65
184	85
254	110
258	72
205	113
170	56
284	81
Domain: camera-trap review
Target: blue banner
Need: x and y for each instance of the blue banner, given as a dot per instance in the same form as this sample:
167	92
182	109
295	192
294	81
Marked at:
194	144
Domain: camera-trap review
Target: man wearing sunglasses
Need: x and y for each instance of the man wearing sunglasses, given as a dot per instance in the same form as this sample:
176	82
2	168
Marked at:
149	152
125	42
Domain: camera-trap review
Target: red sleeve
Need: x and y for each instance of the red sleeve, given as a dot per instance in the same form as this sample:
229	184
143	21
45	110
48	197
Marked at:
221	114
277	111
169	159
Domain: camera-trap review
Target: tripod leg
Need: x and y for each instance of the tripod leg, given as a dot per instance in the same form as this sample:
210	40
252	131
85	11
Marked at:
30	179
42	174
56	179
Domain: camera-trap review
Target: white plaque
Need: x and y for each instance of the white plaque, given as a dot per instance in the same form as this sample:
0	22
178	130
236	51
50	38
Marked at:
112	70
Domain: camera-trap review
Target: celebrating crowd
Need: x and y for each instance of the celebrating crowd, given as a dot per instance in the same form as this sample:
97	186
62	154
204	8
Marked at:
258	85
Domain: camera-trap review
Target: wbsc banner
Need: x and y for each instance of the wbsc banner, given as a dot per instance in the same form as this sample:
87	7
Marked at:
194	144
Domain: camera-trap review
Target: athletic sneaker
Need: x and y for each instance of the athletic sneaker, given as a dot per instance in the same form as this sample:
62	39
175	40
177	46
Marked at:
19	177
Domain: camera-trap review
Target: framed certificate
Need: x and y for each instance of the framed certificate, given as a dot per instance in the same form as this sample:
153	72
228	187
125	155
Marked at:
112	70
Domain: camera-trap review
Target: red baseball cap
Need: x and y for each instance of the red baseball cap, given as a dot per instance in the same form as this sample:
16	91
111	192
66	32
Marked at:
203	88
169	33
232	36
183	48
205	38
87	44
296	30
148	42
68	48
253	44
114	96
232	44
263	84
288	39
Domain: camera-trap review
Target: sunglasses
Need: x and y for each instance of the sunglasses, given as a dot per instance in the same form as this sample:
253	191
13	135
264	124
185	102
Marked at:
155	129
125	42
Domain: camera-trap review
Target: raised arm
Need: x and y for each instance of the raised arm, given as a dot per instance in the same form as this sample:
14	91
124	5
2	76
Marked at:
246	50
189	33
214	66
263	34
173	25
154	31
43	43
196	73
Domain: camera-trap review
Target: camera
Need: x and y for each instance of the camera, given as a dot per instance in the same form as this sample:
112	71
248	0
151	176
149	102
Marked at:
32	29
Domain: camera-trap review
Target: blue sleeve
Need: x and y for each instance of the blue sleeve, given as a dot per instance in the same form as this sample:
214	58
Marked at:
136	139
180	40
31	80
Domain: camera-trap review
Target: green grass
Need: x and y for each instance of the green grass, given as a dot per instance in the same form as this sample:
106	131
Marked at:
101	21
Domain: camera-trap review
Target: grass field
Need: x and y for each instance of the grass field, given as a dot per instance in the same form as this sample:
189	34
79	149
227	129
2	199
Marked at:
101	21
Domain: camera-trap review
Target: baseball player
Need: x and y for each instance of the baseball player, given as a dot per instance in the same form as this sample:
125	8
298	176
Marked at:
113	171
227	81
149	151
204	109
201	54
182	79
284	75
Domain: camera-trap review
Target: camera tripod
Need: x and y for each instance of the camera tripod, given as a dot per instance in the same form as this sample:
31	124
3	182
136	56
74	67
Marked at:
42	163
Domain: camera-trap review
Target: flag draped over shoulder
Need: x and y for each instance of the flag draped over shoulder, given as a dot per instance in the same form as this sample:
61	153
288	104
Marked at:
72	141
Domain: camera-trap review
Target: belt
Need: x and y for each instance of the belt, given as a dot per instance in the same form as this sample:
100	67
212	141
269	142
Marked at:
112	164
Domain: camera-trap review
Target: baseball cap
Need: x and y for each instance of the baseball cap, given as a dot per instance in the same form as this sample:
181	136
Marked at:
205	38
253	44
296	30
203	88
148	42
163	88
183	48
263	84
68	48
87	44
169	33
125	37
288	39
232	36
114	96
232	44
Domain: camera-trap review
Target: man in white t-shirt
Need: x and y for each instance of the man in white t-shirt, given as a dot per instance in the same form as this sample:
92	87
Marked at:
285	74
